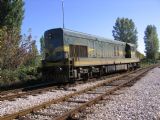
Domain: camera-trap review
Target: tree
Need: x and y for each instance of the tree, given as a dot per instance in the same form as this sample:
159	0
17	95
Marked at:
11	16
125	31
16	53
151	42
42	50
11	13
9	49
158	55
30	48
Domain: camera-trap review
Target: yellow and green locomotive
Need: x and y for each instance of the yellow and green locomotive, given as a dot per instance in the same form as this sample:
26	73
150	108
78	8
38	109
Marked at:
71	56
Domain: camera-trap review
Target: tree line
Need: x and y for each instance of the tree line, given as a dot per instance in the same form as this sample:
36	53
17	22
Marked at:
125	30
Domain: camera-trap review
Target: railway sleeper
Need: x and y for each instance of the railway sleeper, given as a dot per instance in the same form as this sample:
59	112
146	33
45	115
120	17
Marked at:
93	101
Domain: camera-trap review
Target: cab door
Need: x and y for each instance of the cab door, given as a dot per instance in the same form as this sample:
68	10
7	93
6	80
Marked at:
128	51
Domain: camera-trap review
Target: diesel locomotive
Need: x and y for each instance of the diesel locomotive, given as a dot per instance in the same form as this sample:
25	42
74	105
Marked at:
71	55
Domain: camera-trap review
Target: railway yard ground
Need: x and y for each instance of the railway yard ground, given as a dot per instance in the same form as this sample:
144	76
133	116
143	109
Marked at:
113	100
139	102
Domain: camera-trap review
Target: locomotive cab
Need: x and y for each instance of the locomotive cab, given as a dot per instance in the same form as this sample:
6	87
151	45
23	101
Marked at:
54	45
55	64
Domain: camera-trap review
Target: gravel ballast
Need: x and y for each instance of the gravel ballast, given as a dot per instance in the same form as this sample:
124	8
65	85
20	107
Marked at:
9	107
139	102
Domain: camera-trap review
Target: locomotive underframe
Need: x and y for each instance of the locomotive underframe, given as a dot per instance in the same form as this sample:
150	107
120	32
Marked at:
66	71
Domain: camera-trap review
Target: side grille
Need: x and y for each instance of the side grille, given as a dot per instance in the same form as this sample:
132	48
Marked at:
78	51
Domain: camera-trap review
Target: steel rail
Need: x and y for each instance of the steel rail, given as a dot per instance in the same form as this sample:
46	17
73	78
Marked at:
54	101
45	104
73	112
20	93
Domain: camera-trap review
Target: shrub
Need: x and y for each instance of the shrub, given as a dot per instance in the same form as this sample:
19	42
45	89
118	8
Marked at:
21	75
8	77
27	73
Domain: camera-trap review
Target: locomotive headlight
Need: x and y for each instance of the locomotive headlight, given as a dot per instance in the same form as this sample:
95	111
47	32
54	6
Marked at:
59	69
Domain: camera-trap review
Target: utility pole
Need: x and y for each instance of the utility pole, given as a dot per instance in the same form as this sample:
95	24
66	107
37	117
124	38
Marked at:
63	12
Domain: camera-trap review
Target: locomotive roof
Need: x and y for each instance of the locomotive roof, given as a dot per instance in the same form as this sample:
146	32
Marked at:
89	36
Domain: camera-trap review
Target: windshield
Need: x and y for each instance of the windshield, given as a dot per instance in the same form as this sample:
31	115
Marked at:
53	45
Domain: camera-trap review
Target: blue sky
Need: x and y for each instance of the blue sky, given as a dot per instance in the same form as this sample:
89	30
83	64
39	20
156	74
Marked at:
95	17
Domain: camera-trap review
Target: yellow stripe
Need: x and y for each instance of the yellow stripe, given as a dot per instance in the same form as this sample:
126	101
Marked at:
91	62
66	48
90	50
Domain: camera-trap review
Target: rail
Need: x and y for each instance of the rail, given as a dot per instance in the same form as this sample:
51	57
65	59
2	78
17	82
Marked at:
84	105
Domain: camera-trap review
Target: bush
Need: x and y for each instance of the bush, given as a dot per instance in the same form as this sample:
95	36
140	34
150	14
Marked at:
147	62
8	77
28	73
21	75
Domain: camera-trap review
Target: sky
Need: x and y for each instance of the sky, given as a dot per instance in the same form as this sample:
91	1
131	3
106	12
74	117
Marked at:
95	17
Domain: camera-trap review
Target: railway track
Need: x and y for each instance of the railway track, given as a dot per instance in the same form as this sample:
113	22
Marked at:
33	90
67	107
11	95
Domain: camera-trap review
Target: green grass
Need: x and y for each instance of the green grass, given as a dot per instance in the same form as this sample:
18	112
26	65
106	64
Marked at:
147	62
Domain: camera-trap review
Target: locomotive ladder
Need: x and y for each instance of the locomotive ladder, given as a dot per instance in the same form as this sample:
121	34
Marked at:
71	66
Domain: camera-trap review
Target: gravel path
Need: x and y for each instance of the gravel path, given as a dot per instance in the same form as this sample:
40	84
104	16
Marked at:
139	102
9	107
